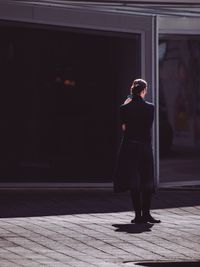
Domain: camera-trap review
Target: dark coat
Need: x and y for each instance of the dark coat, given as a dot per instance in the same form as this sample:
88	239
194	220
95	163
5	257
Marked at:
135	166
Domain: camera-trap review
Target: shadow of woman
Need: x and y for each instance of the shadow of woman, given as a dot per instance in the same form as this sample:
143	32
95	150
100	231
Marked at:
133	228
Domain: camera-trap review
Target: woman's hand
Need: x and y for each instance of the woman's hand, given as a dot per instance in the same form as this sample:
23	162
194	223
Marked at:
128	100
124	127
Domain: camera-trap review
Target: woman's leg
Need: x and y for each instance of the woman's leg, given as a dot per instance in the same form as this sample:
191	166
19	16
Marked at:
137	206
146	202
146	205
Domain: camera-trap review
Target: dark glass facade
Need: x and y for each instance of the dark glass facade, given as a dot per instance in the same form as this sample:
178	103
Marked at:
179	87
60	93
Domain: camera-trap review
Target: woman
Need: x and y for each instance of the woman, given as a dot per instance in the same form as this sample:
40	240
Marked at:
135	169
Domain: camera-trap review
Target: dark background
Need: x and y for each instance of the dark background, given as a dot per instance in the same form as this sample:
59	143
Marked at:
60	96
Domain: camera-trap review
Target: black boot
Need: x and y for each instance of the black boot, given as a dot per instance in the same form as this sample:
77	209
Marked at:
138	217
146	205
148	218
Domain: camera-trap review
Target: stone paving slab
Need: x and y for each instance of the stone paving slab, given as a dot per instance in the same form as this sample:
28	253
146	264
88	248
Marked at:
91	227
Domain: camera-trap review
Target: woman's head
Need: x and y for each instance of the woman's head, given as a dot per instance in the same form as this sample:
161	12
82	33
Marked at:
139	87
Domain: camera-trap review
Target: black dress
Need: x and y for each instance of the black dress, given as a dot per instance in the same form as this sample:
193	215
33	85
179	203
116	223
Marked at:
135	166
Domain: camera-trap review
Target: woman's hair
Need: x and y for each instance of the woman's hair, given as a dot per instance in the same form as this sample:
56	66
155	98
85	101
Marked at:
138	86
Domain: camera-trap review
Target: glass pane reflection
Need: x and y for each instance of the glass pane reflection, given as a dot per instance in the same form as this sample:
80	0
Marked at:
179	86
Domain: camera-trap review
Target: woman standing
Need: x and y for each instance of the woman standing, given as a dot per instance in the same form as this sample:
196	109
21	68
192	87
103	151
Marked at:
135	169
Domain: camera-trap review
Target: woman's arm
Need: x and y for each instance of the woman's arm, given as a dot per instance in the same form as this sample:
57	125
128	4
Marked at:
128	100
124	126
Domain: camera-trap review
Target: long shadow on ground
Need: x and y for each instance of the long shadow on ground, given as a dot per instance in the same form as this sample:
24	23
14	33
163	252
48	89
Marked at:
169	264
40	202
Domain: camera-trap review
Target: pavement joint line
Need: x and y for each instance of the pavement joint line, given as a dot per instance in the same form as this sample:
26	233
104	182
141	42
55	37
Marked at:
179	245
136	255
183	230
54	240
54	252
105	242
168	241
52	259
188	211
10	260
37	244
71	238
21	255
180	235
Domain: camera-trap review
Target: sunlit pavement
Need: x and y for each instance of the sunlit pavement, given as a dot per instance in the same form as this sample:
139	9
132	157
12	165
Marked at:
91	227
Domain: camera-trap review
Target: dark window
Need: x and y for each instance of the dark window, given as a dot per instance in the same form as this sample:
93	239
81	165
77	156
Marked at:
179	107
60	93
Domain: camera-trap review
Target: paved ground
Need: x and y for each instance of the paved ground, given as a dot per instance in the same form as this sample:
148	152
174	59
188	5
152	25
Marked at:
91	227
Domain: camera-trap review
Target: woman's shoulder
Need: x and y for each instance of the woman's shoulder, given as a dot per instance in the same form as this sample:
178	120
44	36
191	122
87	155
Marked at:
149	104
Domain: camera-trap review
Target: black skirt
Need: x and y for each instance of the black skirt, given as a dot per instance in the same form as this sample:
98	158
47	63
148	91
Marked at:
135	167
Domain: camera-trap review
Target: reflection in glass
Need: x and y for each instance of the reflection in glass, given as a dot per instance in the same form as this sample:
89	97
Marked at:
179	87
